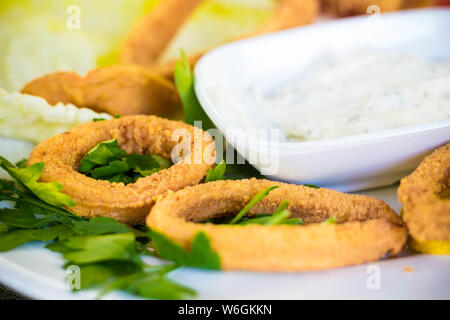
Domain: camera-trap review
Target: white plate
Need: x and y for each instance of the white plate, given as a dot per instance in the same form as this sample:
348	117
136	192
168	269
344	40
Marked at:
348	163
37	273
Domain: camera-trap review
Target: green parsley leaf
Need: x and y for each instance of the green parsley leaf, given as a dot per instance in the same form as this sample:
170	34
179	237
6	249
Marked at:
200	256
46	191
331	220
184	81
89	249
42	227
217	173
22	163
12	239
99	225
252	202
147	164
148	286
97	274
22	219
122	177
279	217
312	186
107	251
98	119
101	154
151	283
107	161
113	168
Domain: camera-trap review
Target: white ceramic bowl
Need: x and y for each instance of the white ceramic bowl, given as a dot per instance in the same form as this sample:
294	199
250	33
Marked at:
348	163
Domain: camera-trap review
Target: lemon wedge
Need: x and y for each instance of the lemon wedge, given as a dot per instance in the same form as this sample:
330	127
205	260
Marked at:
430	246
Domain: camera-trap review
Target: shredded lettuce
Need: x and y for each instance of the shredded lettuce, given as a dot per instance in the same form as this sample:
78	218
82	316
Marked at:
35	39
31	118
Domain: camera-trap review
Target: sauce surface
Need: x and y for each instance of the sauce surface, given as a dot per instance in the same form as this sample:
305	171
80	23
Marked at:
346	94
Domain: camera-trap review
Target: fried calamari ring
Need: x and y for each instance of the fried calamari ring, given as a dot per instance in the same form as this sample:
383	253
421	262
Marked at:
121	90
366	229
136	134
343	8
151	36
425	211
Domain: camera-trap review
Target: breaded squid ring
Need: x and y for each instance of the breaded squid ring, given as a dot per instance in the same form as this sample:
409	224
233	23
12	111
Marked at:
151	36
425	211
366	229
136	134
117	90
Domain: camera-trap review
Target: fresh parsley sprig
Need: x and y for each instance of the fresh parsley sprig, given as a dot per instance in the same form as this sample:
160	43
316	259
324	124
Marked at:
200	256
184	81
281	216
331	220
107	161
217	173
27	177
251	204
108	252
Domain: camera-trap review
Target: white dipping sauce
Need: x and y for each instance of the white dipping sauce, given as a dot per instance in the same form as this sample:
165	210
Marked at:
352	93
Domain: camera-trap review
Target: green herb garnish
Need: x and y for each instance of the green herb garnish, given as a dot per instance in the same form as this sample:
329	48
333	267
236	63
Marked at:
217	173
149	283
108	252
331	220
252	202
101	155
107	161
184	81
312	186
27	177
200	256
22	163
279	217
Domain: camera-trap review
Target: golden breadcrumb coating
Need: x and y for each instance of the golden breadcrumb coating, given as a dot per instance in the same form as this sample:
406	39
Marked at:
366	228
136	134
425	211
117	90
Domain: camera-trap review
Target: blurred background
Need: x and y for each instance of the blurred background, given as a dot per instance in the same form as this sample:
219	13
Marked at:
35	37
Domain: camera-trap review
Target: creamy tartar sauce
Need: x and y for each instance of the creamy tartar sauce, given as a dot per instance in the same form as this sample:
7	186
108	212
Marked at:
353	93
